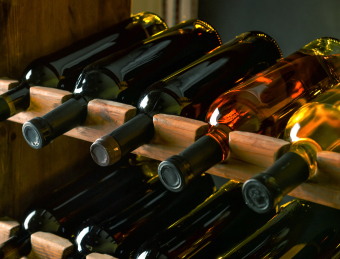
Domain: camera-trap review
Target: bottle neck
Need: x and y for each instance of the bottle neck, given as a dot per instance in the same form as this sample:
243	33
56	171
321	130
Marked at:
177	171
16	246
109	149
264	191
14	101
307	149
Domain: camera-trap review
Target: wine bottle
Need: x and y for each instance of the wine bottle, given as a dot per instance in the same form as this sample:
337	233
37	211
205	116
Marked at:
215	226
189	91
314	127
120	234
301	229
64	209
261	104
69	61
135	67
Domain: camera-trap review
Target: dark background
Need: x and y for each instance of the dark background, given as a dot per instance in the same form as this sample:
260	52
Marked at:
292	23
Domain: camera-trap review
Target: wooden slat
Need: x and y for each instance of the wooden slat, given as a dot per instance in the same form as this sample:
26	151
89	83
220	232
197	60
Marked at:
8	227
103	116
250	153
6	84
50	246
172	135
256	149
99	256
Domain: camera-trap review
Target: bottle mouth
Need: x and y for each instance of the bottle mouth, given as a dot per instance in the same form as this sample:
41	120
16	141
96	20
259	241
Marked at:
173	174
33	132
261	193
105	151
256	196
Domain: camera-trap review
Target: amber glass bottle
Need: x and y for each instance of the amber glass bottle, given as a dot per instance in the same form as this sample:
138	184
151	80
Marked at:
262	105
124	75
63	210
70	61
300	230
214	227
314	127
189	91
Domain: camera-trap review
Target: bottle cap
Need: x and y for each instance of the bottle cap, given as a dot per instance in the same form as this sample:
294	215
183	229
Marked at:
177	171
105	151
36	132
264	191
174	173
261	193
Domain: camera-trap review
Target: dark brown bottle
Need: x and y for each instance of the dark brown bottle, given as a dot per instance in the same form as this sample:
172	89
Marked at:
215	226
120	234
136	67
70	61
63	210
189	91
301	230
262	104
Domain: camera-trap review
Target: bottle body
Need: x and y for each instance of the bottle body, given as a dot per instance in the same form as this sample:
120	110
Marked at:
69	62
120	234
313	128
132	68
263	104
215	226
63	210
189	91
300	230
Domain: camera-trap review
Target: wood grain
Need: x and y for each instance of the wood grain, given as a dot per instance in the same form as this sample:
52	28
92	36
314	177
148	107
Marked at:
26	174
256	149
49	246
30	29
99	256
250	153
8	227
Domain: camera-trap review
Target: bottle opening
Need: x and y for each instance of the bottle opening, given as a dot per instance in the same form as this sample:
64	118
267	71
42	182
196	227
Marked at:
32	135
257	196
170	176
99	154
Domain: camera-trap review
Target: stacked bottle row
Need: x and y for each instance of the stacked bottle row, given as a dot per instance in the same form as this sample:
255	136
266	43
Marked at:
125	211
243	85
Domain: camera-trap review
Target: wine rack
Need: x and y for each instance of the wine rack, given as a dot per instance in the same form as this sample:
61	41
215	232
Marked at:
250	153
21	172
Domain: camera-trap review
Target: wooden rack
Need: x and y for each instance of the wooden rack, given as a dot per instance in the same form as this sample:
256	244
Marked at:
250	153
27	174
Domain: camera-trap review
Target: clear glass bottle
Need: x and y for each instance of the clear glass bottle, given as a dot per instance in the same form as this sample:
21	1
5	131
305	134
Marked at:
131	70
314	127
69	62
189	91
261	105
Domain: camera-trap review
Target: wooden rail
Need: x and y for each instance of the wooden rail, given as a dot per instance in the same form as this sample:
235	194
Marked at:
250	153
